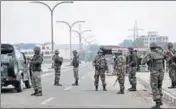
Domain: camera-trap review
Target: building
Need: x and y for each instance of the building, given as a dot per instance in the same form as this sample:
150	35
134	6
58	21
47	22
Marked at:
127	43
152	36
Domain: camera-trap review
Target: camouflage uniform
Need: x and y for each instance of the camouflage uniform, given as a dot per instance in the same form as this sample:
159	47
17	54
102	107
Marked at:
57	67
35	67
75	64
172	66
132	63
100	65
120	63
156	60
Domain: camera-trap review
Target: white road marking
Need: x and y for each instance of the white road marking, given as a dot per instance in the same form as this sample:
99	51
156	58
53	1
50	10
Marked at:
68	88
47	100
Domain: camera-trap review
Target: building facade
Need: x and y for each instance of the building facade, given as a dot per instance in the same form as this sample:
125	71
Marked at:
152	36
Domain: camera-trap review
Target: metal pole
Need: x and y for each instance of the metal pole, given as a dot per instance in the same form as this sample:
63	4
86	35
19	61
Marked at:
52	10
52	37
70	44
70	30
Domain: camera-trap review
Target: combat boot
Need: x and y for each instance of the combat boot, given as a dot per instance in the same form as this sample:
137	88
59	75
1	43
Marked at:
157	105
96	88
76	83
39	93
104	88
172	86
133	88
120	92
161	103
35	92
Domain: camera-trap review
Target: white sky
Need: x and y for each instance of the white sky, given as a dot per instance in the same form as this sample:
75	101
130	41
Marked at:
109	21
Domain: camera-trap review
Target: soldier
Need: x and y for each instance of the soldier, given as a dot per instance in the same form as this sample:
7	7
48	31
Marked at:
156	60
172	67
35	66
57	67
100	65
114	67
120	64
75	64
132	64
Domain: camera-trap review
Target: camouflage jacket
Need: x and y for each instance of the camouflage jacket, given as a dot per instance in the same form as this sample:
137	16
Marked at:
100	62
120	62
155	60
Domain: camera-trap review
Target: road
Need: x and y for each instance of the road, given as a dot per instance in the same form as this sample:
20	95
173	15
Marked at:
77	96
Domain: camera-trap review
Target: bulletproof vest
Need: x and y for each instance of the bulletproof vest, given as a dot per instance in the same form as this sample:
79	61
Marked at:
133	57
57	60
100	62
75	61
157	61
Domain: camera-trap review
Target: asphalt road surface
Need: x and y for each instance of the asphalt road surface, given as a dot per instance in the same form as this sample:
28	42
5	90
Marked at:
77	96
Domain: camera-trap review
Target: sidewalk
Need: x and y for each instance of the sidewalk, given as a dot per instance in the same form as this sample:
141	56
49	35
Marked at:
168	94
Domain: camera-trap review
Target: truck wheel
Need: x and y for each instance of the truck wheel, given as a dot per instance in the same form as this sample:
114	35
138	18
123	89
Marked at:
19	85
28	84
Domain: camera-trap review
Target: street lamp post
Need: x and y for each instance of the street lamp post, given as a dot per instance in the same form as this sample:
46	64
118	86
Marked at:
70	30
51	11
80	37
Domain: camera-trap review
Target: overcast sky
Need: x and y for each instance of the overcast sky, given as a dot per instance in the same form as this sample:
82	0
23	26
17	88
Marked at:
109	21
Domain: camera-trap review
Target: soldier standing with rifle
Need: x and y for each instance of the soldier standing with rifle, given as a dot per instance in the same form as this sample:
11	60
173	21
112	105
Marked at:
100	65
35	68
132	64
120	66
172	65
57	67
75	64
156	61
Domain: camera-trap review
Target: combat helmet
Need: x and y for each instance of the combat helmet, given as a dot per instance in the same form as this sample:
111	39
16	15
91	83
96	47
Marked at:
37	49
170	45
56	52
153	45
74	51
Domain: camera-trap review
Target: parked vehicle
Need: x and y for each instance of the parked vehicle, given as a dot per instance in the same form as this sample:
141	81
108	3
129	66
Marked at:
15	69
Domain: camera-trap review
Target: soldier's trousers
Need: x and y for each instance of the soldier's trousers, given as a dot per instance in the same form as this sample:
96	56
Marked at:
101	74
75	73
156	80
36	80
132	75
57	75
121	78
172	74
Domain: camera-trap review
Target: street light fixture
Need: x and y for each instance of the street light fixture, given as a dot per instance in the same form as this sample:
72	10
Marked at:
80	36
70	30
51	11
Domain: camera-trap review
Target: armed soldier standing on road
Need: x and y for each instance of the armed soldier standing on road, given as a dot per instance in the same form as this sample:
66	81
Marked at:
172	65
120	66
156	60
57	67
132	63
75	64
100	65
35	66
